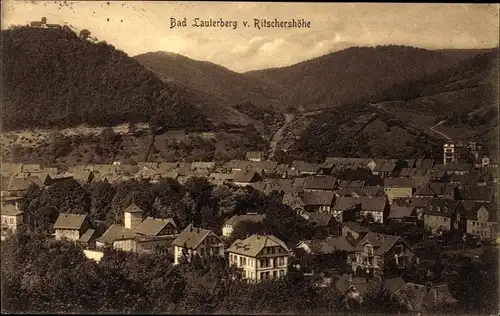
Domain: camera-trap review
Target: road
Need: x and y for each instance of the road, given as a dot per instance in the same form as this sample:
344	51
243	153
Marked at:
438	132
279	134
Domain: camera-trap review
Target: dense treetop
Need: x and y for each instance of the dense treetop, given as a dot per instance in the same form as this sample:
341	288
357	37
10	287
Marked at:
52	77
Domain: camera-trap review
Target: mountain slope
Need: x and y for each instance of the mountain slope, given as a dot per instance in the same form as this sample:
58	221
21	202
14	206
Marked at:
226	86
346	76
397	121
53	78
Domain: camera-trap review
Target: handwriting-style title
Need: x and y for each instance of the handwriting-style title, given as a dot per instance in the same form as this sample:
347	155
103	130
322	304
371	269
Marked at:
232	24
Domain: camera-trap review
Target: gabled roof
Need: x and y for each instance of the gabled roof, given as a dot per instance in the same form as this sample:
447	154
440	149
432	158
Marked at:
398	183
202	165
306	167
398	211
153	226
246	176
29	168
191	237
237	164
344	203
416	296
116	232
264	165
436	188
253	245
293	200
367	203
10	210
476	193
87	236
21	184
470	209
441	207
322	198
355	227
328	245
133	208
320	218
9	168
255	155
346	282
69	221
233	221
381	243
418	202
394	284
355	184
373	191
320	183
454	167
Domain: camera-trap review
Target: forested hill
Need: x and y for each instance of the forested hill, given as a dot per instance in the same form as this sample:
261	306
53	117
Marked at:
227	86
54	78
397	121
343	77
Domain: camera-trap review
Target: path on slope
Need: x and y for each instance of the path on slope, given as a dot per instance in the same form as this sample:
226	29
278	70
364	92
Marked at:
438	132
279	134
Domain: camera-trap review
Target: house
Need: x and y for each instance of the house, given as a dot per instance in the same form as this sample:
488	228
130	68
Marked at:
328	245
84	176
216	178
374	249
419	298
384	168
398	188
295	202
244	178
318	201
117	237
237	165
403	213
8	169
305	168
374	209
325	221
354	288
320	183
255	156
264	166
454	168
227	230
437	190
18	186
12	220
200	242
442	214
203	166
346	208
475	193
71	226
354	230
480	219
157	227
260	257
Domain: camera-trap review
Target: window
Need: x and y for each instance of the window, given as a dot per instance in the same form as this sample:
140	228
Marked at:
11	221
244	261
281	261
282	273
272	250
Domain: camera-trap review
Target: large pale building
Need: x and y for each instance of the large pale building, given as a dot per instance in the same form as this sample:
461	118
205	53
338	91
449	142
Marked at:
12	220
260	257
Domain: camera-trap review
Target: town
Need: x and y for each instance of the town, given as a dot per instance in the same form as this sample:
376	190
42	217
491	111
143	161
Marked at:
370	219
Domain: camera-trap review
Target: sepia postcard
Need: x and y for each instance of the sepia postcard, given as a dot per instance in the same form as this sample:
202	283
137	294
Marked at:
249	158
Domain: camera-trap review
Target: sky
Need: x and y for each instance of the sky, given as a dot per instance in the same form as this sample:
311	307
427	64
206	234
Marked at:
138	27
